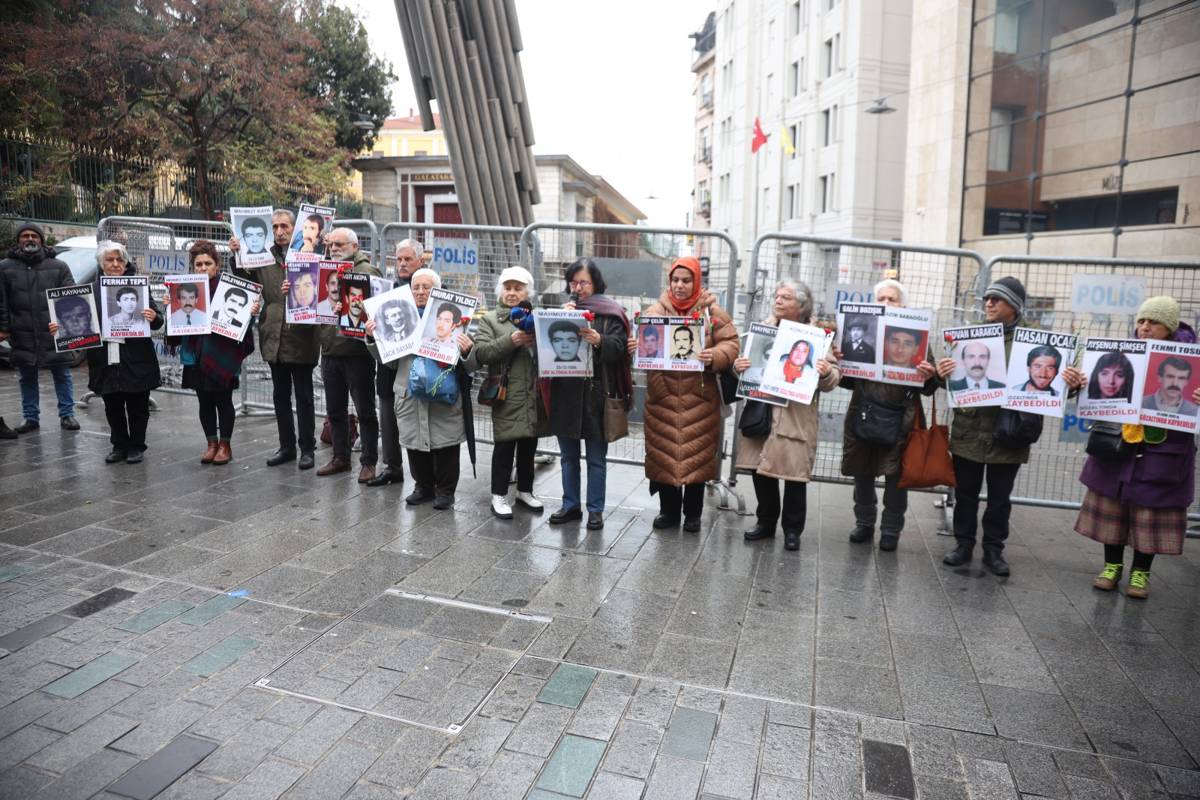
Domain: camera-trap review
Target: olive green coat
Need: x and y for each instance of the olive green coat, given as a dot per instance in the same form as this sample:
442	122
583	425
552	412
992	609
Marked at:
520	416
278	341
332	342
971	428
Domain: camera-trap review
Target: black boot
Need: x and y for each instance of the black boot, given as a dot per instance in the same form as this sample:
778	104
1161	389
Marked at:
759	531
961	554
994	561
862	534
6	432
791	540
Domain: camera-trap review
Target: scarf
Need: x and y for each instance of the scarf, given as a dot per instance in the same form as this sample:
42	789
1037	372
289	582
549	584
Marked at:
683	307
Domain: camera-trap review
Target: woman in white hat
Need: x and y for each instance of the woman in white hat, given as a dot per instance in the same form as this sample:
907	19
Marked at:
518	419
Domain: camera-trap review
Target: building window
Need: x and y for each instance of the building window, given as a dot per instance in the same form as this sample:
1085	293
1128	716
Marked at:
726	127
827	189
827	58
837	52
706	93
723	189
794	79
794	132
792	201
829	124
727	79
796	18
704	146
831	5
1011	25
1000	140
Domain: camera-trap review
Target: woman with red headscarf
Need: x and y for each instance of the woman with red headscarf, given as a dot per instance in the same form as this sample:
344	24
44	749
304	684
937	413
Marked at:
683	409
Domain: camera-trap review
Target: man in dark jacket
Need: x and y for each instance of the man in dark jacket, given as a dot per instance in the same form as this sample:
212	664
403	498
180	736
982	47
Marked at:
291	351
26	274
348	370
408	260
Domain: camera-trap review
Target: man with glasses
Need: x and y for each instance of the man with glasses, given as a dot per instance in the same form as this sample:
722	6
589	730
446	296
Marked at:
291	351
348	370
409	259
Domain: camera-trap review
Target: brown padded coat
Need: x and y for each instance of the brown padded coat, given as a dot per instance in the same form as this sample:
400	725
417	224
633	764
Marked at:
683	409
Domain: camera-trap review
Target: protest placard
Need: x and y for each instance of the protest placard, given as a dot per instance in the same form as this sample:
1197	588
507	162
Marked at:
73	309
758	345
353	289
905	344
252	227
446	315
1116	372
1035	365
676	343
397	323
328	273
561	350
122	301
232	304
304	278
979	365
187	305
791	368
860	327
312	225
1172	375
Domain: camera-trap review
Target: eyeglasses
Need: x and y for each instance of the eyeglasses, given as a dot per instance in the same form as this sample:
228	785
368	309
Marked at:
579	283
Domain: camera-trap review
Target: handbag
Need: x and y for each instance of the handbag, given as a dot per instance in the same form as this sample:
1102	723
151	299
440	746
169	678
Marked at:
494	389
727	381
616	418
1016	428
429	381
926	460
327	431
1106	443
878	423
755	422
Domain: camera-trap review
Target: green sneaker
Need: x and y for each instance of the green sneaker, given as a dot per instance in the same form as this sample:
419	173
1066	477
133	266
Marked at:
1139	584
1108	578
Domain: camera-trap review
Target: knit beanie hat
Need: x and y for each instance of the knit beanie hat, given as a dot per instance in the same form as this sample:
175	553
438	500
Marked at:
30	226
1010	290
1161	309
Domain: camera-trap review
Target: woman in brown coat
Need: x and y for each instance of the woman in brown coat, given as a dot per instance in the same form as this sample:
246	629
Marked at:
683	409
789	451
863	461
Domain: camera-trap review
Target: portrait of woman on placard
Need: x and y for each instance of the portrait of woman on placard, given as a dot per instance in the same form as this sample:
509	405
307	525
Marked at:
1111	378
799	357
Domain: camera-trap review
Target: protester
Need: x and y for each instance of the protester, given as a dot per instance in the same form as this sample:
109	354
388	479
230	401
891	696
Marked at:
864	461
1140	499
431	431
519	419
576	405
348	370
976	453
123	373
789	451
408	260
212	364
683	409
25	275
291	351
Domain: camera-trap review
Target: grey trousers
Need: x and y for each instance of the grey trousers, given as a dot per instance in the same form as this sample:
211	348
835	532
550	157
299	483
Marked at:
895	503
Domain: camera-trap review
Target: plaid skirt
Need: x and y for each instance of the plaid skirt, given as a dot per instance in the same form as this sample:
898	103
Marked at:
1147	530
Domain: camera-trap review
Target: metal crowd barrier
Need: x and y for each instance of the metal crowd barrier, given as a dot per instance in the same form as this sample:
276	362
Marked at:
1051	478
634	260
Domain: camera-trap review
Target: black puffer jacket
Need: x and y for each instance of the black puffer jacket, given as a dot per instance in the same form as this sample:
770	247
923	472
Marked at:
137	370
24	313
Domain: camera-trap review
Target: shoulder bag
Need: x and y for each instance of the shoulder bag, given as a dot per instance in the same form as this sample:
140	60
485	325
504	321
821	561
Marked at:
926	460
494	389
428	381
1016	428
616	418
755	422
878	423
1106	443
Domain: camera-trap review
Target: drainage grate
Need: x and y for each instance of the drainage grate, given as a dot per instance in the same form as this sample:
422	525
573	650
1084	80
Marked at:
423	660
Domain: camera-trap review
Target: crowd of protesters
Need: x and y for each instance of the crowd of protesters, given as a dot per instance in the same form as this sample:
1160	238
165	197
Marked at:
1136	499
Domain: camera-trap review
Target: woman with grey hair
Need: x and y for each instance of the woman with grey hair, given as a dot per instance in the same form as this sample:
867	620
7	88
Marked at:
789	451
123	373
865	460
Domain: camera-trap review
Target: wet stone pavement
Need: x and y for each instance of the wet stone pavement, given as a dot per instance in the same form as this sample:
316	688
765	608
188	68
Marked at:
177	631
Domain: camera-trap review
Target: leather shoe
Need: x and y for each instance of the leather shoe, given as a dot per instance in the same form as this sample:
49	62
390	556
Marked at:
996	563
663	521
388	476
134	457
116	455
366	473
791	540
960	555
862	534
443	501
69	424
419	496
281	457
691	524
224	454
210	452
334	467
595	521
759	532
28	426
565	515
888	541
307	461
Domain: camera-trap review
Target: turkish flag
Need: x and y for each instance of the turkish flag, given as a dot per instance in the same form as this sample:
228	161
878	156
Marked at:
759	138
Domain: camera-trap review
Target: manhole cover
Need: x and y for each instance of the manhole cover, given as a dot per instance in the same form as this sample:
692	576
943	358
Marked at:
422	660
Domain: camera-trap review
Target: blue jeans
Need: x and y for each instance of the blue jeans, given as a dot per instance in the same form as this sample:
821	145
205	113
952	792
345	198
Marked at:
597	450
31	397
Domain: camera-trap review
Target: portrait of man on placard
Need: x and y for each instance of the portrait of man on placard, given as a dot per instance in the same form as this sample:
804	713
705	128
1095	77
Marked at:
649	341
1043	363
74	317
230	314
189	312
564	340
683	343
975	358
254	235
857	344
1170	395
902	346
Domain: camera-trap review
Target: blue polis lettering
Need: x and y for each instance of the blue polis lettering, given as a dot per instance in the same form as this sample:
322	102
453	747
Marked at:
450	255
1109	296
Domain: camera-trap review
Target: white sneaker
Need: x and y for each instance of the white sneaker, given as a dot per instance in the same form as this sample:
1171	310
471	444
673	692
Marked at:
528	500
500	507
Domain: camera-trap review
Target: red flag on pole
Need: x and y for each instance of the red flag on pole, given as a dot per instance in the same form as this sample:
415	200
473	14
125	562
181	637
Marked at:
759	139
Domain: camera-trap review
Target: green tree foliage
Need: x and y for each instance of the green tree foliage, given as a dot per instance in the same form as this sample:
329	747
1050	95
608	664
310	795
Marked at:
257	89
